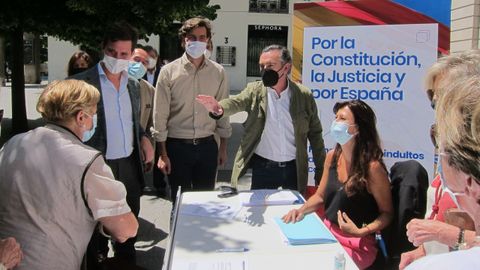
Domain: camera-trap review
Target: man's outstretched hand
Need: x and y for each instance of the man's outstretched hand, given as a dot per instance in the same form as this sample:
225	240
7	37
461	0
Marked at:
210	103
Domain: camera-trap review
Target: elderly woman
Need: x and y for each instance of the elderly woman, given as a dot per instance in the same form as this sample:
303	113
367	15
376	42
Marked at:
434	230
54	189
458	136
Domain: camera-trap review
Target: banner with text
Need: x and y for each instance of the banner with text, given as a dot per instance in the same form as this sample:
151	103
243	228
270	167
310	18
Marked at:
383	65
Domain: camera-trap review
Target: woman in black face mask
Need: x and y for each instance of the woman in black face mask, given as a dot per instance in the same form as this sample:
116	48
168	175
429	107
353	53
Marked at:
79	62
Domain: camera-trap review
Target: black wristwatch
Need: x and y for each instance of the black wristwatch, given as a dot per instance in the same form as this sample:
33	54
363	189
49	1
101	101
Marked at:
460	245
216	115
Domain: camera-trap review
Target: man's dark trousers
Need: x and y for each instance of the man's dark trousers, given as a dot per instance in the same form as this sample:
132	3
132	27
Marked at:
194	166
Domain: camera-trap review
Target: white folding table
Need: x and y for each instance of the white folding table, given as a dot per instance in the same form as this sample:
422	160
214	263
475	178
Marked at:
199	238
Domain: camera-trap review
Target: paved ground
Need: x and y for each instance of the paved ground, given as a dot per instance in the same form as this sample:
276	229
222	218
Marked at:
154	227
155	212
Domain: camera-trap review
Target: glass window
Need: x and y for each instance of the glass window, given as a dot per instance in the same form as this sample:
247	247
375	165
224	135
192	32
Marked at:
226	55
259	37
268	6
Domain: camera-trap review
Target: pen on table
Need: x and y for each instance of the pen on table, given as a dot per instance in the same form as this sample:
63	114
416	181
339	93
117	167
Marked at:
232	249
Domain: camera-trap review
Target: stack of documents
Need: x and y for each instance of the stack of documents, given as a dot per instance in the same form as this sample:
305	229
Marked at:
232	264
310	230
261	197
211	210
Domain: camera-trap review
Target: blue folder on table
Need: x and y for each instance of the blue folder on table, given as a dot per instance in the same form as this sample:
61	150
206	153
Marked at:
308	231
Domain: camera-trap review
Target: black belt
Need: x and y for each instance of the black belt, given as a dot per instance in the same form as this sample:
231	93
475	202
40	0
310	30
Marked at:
195	141
267	163
120	159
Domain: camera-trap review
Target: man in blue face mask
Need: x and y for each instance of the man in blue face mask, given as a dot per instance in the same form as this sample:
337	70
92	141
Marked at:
137	68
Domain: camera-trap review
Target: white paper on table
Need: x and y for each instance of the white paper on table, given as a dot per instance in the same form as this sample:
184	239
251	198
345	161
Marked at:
212	210
260	197
236	264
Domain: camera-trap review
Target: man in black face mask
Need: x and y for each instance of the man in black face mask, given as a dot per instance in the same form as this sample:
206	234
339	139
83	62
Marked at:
282	115
270	77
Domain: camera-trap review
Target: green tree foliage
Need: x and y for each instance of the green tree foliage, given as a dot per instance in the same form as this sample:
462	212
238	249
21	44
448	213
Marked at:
82	22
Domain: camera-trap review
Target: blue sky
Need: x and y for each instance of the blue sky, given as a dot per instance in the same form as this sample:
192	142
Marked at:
437	9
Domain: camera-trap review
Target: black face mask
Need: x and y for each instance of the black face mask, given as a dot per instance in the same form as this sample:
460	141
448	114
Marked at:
269	77
77	70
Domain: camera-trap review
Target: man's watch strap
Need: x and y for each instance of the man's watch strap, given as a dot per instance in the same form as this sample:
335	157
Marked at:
216	115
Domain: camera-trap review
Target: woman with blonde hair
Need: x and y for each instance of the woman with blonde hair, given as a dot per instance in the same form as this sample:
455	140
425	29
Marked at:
434	234
458	135
54	189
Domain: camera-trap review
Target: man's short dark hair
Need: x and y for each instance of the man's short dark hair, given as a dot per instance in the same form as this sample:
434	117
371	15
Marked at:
193	23
120	31
149	49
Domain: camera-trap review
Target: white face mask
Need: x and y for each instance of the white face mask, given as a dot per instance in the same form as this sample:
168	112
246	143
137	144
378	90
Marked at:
208	54
115	65
152	62
195	48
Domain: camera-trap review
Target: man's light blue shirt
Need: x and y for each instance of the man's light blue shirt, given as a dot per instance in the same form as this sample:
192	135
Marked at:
118	116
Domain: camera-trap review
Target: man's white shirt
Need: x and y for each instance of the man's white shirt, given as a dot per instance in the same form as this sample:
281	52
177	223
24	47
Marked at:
278	139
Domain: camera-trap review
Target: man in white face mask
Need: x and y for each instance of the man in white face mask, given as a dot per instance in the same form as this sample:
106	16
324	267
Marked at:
153	69
119	135
190	154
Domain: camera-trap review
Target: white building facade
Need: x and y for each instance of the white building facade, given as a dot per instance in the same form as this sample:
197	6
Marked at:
242	28
464	27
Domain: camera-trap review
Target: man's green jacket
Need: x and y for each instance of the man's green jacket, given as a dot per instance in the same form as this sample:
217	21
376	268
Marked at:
306	124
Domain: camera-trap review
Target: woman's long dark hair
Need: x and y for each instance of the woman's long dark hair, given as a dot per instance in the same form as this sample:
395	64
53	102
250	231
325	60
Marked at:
73	60
367	145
